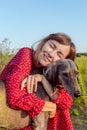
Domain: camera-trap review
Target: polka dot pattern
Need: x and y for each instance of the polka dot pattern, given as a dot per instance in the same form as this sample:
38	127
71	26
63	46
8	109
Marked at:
62	120
13	74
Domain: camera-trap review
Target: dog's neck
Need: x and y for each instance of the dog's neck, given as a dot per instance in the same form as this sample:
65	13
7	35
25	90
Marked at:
59	85
37	70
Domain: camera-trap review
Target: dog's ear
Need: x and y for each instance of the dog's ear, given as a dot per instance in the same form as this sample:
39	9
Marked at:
48	72
57	68
51	72
77	66
60	66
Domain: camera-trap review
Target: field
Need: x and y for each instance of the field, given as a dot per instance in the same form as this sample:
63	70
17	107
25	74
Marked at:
80	61
79	108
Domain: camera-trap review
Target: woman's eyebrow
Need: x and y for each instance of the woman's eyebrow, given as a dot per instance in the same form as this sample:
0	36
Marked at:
53	43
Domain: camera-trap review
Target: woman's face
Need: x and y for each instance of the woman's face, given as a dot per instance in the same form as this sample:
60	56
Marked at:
52	51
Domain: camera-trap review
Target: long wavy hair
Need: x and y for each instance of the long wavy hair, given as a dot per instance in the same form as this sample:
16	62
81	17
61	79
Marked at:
62	38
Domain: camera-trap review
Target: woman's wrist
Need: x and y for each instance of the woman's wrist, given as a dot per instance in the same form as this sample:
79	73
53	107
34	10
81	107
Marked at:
49	106
54	95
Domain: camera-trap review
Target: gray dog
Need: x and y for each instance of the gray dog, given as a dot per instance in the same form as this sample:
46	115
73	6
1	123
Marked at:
64	73
60	73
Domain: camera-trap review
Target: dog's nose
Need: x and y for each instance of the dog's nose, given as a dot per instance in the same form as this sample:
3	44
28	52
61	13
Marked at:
77	94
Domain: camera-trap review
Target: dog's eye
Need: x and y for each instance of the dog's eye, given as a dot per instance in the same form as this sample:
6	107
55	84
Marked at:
65	74
76	72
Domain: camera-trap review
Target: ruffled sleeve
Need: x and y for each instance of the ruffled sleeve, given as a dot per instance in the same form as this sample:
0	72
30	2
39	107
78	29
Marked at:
13	74
62	120
64	100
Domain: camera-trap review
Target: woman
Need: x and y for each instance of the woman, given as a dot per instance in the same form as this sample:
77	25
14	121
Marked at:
52	48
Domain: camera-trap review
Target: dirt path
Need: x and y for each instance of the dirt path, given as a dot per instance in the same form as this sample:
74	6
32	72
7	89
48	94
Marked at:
80	121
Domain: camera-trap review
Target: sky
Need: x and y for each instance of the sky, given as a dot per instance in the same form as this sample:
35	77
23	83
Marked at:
24	22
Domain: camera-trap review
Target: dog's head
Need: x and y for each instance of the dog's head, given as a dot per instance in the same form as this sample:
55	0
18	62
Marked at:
64	72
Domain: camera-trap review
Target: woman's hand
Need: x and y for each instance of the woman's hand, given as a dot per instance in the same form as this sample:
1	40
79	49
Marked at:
51	108
31	82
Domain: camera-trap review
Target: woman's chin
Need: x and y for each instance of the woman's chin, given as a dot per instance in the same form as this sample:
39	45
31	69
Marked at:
43	63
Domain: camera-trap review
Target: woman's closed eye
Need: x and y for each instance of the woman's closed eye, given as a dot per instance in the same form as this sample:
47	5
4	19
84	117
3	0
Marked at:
60	55
52	45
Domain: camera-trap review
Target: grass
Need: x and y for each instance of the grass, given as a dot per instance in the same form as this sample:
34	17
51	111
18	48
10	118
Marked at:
82	66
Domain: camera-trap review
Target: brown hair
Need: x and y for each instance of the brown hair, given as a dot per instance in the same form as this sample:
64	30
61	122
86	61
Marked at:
62	39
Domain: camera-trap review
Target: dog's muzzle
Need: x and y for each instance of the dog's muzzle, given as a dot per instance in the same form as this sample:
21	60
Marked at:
77	94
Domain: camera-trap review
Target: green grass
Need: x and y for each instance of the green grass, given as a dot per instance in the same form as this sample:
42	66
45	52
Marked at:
82	65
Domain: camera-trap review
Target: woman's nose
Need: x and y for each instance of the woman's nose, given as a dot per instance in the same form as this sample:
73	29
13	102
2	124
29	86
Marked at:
52	53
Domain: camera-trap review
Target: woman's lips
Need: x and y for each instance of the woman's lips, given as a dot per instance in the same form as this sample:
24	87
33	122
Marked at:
46	58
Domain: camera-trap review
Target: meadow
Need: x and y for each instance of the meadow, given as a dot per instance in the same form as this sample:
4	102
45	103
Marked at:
81	60
79	108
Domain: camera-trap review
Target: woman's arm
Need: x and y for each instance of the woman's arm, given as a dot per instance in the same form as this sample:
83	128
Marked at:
64	100
51	108
19	67
31	83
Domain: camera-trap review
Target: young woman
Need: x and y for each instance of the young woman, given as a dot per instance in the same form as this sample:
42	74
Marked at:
51	48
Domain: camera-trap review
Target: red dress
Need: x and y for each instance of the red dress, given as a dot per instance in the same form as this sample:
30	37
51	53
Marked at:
13	74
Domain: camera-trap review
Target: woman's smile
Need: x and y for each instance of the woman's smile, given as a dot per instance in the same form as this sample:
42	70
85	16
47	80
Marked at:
52	51
46	57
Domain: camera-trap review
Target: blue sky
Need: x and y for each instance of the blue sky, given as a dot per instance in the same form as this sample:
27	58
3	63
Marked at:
25	21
